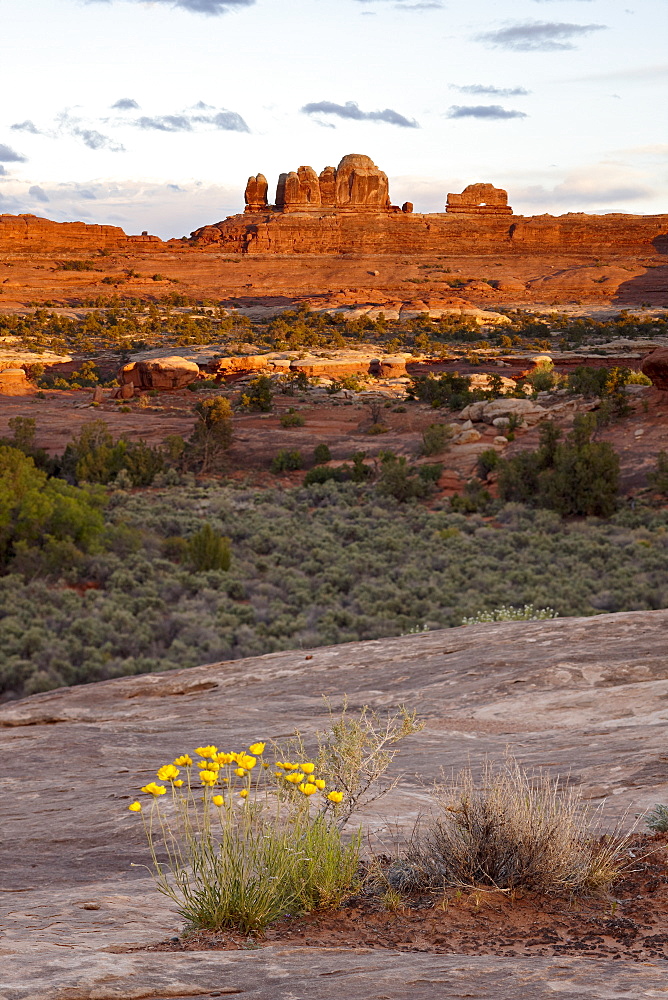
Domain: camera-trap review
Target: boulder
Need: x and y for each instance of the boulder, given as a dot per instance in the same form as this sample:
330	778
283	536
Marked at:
530	412
490	410
468	436
389	367
655	367
161	373
15	382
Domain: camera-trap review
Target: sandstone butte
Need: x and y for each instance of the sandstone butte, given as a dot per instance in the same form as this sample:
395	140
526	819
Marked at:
347	210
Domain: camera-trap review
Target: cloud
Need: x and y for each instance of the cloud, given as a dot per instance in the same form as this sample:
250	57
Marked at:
641	73
212	7
482	111
67	125
538	36
26	126
352	111
420	5
95	140
225	121
3	172
163	209
125	104
9	155
480	88
588	187
38	193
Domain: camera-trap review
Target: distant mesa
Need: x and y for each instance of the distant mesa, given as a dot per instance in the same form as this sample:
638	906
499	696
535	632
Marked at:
479	199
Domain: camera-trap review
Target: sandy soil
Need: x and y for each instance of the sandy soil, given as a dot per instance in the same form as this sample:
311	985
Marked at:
630	922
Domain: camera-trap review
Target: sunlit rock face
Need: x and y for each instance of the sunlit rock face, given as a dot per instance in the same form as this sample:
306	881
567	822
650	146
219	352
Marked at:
479	199
655	366
356	184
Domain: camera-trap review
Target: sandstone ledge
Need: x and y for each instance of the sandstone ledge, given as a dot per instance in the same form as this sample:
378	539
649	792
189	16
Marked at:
584	696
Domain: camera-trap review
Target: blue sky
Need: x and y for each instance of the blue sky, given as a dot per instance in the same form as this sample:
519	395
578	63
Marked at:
151	115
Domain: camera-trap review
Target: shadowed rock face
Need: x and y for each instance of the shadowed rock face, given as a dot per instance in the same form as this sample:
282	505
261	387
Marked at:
655	366
583	697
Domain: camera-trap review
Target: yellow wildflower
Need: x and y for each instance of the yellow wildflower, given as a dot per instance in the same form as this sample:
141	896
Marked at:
307	768
278	774
135	807
239	771
185	760
218	800
208	765
243	793
168	772
177	784
257	748
153	789
335	796
288	766
208	777
319	783
224	758
308	788
295	778
209	751
245	760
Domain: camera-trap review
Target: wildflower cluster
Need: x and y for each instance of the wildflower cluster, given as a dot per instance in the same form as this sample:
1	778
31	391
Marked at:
510	614
230	773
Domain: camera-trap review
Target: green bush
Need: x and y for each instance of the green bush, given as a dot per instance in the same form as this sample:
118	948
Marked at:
658	479
292	419
488	460
435	439
207	550
579	477
657	819
37	511
212	434
94	457
287	461
259	394
321	454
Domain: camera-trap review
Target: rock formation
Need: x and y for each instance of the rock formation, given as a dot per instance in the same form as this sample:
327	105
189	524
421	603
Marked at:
30	232
655	366
347	210
162	373
479	199
355	185
256	194
15	382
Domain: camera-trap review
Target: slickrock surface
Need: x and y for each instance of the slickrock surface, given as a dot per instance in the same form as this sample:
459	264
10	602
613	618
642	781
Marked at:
586	698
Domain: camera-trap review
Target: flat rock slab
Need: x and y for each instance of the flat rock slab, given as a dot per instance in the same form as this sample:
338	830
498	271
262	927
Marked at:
329	974
584	698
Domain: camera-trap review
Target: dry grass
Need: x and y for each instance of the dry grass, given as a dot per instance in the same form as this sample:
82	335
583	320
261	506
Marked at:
512	829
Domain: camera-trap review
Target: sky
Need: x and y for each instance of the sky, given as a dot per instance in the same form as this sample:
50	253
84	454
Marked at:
151	114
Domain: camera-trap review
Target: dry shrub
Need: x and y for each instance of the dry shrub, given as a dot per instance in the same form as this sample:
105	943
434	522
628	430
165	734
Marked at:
513	829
